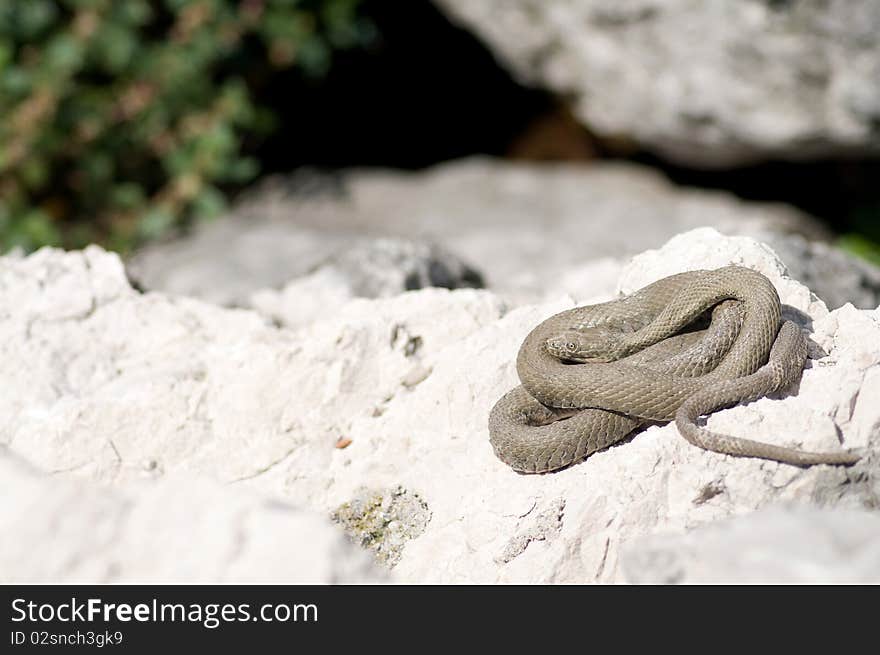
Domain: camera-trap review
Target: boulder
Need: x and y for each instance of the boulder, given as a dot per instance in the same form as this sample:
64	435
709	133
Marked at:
377	416
525	230
371	268
705	84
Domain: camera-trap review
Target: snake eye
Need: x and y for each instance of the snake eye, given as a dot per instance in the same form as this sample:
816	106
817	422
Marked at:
571	346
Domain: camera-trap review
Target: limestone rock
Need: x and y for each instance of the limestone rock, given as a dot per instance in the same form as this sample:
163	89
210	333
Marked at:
377	268
702	83
177	530
832	274
524	227
109	382
779	545
108	385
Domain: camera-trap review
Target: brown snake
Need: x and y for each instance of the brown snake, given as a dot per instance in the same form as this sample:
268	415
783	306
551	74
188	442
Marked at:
636	363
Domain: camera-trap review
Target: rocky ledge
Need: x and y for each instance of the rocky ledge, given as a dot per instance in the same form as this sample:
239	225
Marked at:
151	437
314	228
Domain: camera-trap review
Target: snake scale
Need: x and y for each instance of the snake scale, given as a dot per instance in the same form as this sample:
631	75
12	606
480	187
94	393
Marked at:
591	375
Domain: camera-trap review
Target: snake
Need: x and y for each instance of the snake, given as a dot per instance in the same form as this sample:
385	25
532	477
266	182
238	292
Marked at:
677	349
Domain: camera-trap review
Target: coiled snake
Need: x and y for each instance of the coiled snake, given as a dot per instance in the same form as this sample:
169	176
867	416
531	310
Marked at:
591	375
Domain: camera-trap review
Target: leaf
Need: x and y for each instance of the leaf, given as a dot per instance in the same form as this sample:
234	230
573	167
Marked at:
33	17
64	53
34	229
114	45
209	203
155	223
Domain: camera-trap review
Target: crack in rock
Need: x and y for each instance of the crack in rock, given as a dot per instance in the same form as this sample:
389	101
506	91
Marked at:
544	526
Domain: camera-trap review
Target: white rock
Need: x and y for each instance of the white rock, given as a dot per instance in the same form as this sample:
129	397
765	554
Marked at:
596	281
377	268
176	530
711	83
780	545
145	386
304	299
706	248
522	225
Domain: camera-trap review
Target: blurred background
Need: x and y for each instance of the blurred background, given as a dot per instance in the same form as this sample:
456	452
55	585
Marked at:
228	146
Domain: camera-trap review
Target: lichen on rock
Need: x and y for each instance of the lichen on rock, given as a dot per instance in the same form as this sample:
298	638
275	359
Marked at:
383	520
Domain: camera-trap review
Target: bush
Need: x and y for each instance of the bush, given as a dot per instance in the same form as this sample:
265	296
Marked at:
120	119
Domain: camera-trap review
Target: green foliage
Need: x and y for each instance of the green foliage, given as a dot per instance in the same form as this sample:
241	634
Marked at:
864	238
121	119
861	246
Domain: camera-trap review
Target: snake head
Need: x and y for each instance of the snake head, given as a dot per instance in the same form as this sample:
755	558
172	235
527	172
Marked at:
588	345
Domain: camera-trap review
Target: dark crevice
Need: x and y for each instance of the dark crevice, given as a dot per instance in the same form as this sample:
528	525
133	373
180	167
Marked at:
427	91
844	194
424	92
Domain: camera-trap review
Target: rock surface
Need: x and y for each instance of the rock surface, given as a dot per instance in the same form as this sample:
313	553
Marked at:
120	388
177	530
369	269
705	84
835	276
780	545
495	215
